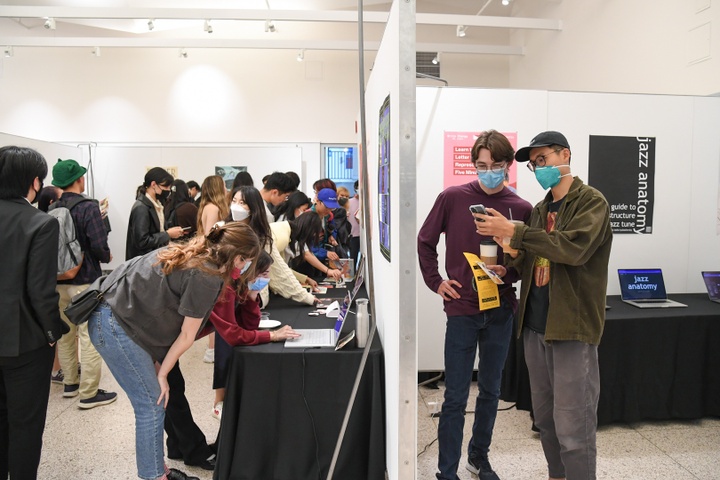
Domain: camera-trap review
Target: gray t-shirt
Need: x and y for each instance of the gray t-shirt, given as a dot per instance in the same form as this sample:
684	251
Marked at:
151	306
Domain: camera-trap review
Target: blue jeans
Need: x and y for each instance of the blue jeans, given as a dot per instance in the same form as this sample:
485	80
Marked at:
134	370
488	332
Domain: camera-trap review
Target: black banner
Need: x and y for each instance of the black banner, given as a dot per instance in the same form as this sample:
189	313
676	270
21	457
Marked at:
623	169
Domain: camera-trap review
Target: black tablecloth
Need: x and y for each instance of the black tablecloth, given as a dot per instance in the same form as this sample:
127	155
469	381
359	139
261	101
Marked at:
654	363
267	431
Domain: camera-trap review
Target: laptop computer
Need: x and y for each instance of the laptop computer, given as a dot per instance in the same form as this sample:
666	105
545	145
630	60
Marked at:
712	283
645	288
328	337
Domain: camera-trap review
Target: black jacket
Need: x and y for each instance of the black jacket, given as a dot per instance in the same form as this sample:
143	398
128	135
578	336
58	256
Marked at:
29	314
144	233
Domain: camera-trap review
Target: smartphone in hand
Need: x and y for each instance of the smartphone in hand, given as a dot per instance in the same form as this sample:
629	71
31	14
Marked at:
478	208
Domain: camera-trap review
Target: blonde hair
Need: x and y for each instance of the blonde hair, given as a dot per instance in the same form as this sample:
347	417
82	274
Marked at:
213	191
343	190
222	245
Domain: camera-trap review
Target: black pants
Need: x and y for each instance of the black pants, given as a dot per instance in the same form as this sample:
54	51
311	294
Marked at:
24	392
184	438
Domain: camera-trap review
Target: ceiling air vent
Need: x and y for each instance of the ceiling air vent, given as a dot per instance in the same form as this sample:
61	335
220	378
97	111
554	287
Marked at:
425	64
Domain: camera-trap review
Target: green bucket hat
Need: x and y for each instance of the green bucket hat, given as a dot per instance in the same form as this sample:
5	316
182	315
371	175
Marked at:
65	172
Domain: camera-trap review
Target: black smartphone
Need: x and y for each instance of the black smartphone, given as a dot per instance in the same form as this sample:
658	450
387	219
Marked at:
479	208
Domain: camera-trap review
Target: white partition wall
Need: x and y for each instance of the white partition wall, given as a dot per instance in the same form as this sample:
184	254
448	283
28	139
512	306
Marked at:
393	76
685	237
51	151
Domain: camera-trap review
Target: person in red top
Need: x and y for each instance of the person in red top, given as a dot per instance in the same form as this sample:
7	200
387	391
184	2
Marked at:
236	322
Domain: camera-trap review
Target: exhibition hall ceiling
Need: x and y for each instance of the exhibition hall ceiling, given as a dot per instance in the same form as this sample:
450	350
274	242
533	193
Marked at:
452	26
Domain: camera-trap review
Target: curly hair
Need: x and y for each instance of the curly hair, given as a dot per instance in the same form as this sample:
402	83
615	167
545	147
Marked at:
214	254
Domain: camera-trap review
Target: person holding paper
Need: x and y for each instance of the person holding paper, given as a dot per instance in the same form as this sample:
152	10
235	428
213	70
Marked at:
473	324
562	254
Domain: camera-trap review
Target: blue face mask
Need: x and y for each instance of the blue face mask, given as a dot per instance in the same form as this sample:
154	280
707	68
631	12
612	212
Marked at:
258	284
245	267
548	177
492	178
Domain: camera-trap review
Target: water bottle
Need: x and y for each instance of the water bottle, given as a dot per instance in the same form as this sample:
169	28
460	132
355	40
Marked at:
362	327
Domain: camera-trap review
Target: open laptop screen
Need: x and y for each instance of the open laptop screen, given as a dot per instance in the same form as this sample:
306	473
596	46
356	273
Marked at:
642	284
712	282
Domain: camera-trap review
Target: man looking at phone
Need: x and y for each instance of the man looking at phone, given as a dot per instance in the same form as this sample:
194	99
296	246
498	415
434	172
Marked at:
468	329
562	254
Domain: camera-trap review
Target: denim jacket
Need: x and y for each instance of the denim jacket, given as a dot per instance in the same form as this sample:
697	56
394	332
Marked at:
579	251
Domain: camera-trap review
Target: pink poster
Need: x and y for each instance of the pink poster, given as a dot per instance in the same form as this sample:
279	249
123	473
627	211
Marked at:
458	166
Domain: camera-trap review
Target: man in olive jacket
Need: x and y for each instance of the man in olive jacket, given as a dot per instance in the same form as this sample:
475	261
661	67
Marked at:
30	322
562	254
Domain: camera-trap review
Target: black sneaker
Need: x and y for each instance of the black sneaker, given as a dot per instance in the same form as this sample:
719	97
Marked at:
480	466
58	377
101	398
207	464
175	474
71	390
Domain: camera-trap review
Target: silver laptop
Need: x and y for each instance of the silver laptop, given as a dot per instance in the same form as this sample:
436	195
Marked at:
645	288
328	337
712	283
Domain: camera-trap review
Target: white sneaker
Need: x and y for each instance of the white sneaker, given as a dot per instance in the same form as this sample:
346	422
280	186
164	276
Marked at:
209	355
217	410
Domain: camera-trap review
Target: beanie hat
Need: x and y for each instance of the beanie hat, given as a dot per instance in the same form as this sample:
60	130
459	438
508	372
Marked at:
65	172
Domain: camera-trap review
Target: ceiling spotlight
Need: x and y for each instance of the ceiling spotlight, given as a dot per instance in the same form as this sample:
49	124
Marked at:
506	2
269	26
461	29
301	55
96	51
151	24
182	53
208	27
8	51
436	60
49	23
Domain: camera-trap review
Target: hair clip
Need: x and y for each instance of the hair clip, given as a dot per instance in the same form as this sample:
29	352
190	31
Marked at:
216	232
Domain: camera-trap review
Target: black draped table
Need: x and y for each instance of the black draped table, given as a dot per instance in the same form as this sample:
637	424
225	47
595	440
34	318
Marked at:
655	364
284	407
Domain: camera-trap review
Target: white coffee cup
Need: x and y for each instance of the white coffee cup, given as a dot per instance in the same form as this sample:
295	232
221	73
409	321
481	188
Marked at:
488	252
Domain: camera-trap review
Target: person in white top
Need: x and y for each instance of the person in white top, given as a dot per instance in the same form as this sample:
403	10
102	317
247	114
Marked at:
275	191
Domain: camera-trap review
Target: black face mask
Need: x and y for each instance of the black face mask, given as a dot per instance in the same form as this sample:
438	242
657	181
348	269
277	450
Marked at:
164	194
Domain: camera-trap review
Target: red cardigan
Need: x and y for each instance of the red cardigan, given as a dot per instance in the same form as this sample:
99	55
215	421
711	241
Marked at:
237	323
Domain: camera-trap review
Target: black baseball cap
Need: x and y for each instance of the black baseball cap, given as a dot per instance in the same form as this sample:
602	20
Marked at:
544	139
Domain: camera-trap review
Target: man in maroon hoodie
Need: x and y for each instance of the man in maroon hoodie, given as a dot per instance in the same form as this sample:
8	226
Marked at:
468	329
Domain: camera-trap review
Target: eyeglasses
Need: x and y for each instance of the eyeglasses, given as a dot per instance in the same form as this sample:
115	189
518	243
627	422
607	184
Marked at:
485	168
540	160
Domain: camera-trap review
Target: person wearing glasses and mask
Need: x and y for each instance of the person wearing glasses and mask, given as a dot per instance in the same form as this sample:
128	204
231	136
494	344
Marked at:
562	254
470	329
146	228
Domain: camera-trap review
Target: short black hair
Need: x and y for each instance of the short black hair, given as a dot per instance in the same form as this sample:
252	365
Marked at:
295	178
193	184
279	181
19	167
243	179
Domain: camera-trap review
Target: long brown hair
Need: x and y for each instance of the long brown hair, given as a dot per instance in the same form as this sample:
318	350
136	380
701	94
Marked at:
223	244
213	191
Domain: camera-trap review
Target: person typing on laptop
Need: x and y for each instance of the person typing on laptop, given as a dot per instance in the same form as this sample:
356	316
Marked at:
563	256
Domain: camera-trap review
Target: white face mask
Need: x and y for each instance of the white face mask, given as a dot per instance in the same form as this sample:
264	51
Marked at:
238	212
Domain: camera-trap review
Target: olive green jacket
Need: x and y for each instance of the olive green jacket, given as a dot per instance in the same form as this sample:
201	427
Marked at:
578	250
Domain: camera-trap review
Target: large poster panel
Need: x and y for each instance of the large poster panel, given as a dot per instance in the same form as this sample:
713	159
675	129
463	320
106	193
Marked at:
458	166
384	178
623	169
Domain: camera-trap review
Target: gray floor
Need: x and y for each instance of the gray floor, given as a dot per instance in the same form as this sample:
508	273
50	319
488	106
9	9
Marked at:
99	443
643	451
